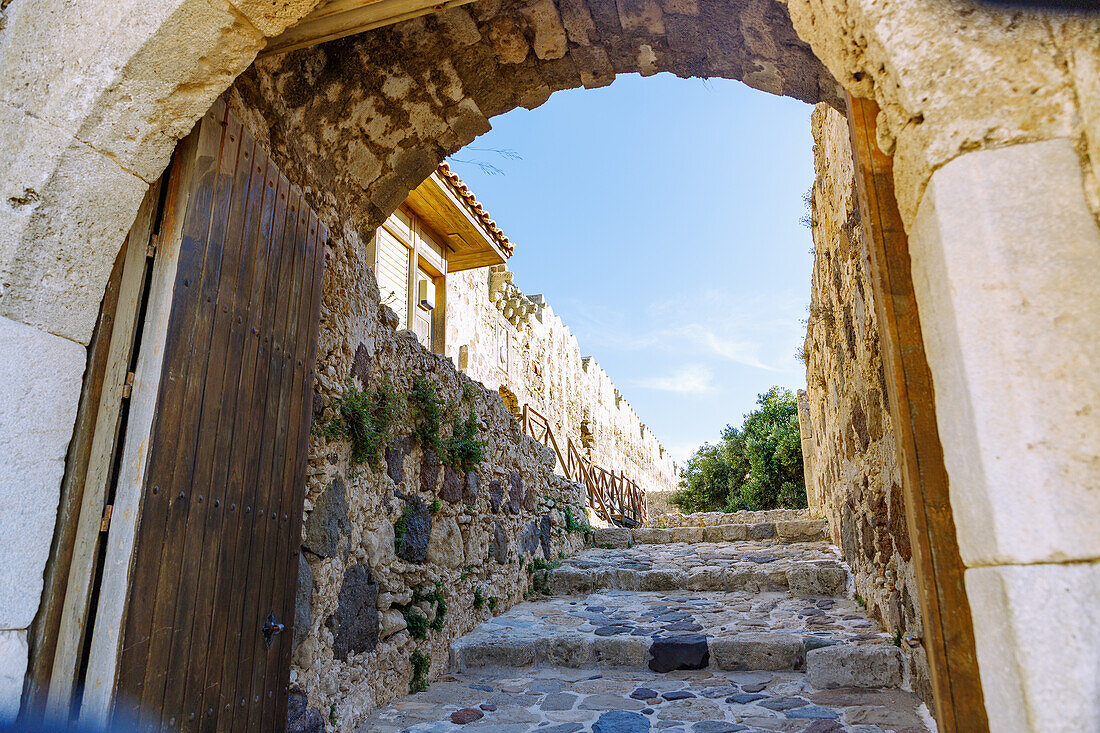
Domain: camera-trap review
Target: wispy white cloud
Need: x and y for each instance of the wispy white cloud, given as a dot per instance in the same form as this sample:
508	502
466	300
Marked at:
689	379
761	331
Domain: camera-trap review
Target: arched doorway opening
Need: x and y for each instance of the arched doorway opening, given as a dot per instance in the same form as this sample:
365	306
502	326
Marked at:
43	244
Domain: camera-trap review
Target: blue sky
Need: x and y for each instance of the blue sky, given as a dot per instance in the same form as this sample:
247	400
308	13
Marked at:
660	218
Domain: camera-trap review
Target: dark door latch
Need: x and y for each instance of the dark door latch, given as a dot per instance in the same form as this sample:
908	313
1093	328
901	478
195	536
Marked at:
271	628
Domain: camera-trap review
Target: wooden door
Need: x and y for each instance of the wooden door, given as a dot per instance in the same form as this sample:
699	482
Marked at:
215	550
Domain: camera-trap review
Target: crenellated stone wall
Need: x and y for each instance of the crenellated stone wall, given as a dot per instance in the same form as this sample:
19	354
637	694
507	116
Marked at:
517	345
855	479
380	543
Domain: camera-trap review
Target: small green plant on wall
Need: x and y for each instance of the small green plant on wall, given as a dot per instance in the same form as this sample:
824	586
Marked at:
420	665
464	450
417	625
366	419
429	413
400	526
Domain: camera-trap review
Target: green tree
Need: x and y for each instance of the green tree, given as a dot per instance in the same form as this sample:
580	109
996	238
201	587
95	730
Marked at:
757	466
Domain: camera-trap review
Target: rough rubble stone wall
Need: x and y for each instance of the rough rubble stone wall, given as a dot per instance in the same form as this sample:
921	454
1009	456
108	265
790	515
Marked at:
546	369
467	532
856	480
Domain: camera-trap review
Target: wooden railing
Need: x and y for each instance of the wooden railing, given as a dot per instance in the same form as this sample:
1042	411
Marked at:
612	496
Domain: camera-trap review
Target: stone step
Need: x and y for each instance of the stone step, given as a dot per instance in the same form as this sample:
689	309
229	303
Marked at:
569	700
831	640
807	569
801	530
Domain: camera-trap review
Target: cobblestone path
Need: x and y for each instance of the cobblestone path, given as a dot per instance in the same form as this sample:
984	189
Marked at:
659	630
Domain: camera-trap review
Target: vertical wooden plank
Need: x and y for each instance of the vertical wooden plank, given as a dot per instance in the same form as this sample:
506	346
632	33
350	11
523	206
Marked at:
267	532
244	473
182	324
291	495
294	530
241	401
948	627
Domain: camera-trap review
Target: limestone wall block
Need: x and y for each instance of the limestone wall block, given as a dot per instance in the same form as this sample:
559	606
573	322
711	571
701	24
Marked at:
66	213
1013	361
13	665
949	77
1035	626
550	39
40	378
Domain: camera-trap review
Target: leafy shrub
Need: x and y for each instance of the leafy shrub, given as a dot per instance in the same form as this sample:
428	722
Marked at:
429	415
367	420
463	450
757	466
479	598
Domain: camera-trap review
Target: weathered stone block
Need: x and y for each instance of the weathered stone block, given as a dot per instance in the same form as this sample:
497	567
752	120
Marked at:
496	496
379	545
568	580
515	493
40	377
329	518
13	666
470	488
452	486
620	651
445	548
395	459
851	665
303	601
817	580
413	531
300	718
688	651
355	623
706	578
565	649
812	530
501	543
662	579
758	651
614	536
429	472
762	531
544	536
550	39
652	535
1035	636
529	538
1010	355
690	535
725	533
484	652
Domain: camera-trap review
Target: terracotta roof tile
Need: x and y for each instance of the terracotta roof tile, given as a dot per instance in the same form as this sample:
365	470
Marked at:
464	192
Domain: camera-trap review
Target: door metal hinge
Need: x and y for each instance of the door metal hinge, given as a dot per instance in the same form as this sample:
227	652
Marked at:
151	247
105	523
128	386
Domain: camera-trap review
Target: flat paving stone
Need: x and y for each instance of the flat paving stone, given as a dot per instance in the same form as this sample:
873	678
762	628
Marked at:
680	702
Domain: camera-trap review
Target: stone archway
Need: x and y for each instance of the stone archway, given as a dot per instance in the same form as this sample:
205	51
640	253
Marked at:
94	98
